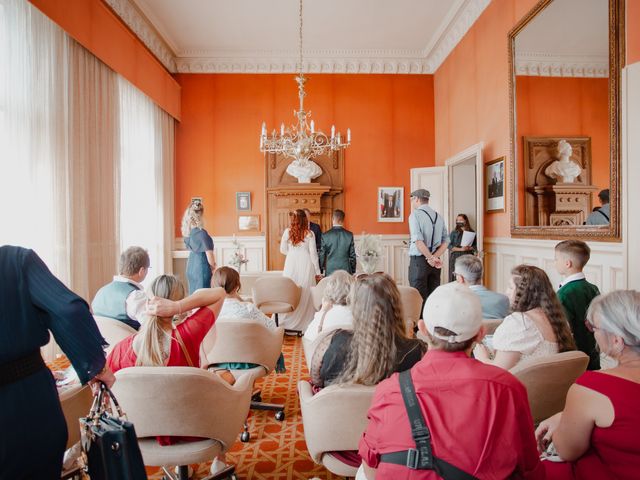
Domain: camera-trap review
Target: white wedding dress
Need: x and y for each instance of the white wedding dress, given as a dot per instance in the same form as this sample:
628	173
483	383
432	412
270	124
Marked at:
301	266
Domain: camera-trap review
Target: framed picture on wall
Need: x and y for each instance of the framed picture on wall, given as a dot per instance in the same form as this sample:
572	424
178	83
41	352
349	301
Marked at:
390	204
249	223
243	201
494	185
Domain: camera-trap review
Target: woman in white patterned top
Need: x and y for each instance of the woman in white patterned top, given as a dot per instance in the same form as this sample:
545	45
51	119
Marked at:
234	307
536	328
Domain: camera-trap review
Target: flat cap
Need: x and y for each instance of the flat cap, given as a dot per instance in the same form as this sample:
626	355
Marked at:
420	193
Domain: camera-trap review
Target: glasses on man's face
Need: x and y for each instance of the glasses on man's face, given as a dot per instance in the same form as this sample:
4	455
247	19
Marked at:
590	326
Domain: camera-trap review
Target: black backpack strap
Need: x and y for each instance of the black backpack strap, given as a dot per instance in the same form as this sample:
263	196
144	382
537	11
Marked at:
601	212
420	458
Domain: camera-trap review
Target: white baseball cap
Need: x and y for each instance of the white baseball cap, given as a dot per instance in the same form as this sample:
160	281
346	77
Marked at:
455	307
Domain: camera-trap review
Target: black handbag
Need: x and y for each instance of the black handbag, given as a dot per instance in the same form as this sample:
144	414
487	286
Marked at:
109	444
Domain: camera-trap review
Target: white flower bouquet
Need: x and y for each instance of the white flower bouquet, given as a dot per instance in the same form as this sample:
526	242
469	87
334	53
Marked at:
370	252
237	259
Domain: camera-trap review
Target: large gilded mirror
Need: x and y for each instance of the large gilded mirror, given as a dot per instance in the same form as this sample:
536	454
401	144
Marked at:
564	84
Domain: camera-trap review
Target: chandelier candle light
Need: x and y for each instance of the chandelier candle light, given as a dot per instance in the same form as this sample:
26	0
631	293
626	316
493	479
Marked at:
302	142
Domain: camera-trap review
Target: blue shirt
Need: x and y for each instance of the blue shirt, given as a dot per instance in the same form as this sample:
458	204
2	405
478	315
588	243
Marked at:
421	227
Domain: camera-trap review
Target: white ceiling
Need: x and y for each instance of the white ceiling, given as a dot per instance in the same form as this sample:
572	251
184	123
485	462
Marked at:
398	36
570	36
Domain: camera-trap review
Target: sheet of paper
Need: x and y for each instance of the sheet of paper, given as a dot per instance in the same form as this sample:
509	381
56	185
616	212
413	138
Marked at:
467	238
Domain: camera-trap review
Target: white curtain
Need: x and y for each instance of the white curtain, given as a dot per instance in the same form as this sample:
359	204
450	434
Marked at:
146	176
86	160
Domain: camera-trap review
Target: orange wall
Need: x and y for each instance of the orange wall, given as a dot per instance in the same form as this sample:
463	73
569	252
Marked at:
92	24
571	107
633	31
217	141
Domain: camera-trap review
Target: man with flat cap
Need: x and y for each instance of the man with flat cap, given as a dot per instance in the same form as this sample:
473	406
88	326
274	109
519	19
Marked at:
428	242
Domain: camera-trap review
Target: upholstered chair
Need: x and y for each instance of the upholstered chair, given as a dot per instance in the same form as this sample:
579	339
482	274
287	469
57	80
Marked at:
317	292
411	307
275	295
113	330
490	325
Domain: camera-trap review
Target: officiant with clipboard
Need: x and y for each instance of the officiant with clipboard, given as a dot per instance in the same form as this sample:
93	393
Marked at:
462	241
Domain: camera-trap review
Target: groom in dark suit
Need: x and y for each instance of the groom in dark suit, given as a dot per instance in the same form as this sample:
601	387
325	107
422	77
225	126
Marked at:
337	250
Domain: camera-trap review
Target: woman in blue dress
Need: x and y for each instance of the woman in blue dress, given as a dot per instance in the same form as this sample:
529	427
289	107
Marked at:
202	259
33	303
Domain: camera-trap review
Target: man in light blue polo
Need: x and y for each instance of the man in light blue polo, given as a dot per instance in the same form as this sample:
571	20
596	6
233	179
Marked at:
468	271
428	242
124	298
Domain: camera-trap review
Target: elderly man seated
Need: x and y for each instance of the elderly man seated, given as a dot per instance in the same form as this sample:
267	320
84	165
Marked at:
450	415
468	271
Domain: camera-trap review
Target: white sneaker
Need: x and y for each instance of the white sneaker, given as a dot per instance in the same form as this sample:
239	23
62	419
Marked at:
177	471
217	466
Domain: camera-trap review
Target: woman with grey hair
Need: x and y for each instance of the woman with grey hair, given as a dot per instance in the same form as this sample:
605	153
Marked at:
596	435
334	312
202	260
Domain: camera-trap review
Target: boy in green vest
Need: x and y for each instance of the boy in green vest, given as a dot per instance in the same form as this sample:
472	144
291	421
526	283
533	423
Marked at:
576	294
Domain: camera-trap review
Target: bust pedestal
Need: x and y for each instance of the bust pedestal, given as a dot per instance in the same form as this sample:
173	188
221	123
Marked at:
563	204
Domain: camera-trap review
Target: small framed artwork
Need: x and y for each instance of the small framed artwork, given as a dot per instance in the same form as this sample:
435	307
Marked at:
243	201
249	223
494	185
390	204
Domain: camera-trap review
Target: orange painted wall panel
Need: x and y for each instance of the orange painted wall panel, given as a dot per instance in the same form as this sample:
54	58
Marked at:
92	24
572	107
633	31
390	116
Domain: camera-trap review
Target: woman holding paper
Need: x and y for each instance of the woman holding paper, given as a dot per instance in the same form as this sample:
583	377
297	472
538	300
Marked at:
462	241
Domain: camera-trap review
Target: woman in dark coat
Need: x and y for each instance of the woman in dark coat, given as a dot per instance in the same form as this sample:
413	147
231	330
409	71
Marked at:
455	239
33	303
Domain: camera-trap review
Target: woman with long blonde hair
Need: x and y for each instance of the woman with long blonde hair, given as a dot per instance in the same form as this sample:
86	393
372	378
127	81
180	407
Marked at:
172	334
378	345
536	328
301	265
202	259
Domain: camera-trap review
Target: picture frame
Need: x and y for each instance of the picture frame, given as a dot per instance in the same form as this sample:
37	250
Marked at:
390	204
249	223
243	201
494	185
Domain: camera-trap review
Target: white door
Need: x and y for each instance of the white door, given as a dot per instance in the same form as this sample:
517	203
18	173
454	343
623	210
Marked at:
435	180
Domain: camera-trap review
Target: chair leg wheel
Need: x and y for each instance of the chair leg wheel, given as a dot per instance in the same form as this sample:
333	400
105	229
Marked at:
245	437
300	334
280	415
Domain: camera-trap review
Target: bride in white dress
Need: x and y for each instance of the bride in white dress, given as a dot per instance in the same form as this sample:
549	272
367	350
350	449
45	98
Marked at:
301	265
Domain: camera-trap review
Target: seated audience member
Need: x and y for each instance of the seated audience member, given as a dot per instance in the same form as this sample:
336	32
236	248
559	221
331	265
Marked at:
576	293
478	415
536	328
378	344
334	312
124	298
597	433
235	308
468	271
161	342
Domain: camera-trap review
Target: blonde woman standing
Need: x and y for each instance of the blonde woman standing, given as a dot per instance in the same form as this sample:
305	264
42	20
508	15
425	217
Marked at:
202	259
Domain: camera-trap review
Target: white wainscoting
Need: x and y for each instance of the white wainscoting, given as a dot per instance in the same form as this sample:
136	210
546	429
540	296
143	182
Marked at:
394	261
606	269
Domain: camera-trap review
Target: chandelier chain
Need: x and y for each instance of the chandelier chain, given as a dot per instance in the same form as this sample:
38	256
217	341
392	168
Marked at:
300	38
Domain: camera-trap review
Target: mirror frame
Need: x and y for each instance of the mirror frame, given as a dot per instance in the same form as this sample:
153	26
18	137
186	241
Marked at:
616	62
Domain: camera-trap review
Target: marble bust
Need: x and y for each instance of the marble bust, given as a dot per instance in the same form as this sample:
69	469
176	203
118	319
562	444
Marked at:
564	170
304	170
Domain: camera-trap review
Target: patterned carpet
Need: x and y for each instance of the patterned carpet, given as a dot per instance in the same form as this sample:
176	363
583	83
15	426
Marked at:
277	450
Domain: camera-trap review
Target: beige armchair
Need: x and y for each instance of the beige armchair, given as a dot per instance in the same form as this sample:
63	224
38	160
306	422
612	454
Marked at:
275	295
113	331
411	307
76	402
317	292
182	401
245	341
490	324
334	420
548	379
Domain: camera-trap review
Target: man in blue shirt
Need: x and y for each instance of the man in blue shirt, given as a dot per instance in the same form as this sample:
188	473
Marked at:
428	243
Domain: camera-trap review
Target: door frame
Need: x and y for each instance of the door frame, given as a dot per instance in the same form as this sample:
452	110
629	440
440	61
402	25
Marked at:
474	151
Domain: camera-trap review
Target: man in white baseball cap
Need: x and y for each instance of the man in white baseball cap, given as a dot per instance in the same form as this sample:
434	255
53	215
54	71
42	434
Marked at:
467	414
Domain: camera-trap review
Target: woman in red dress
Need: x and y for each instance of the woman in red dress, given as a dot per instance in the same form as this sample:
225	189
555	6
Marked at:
598	433
163	342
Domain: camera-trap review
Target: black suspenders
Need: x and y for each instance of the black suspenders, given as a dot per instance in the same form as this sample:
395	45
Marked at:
433	226
421	457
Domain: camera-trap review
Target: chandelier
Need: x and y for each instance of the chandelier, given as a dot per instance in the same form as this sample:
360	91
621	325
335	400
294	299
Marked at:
301	141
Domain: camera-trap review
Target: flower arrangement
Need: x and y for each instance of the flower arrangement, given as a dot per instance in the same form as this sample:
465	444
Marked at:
370	252
237	259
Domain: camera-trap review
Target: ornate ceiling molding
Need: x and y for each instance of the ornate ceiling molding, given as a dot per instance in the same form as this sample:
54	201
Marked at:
424	61
547	65
143	28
